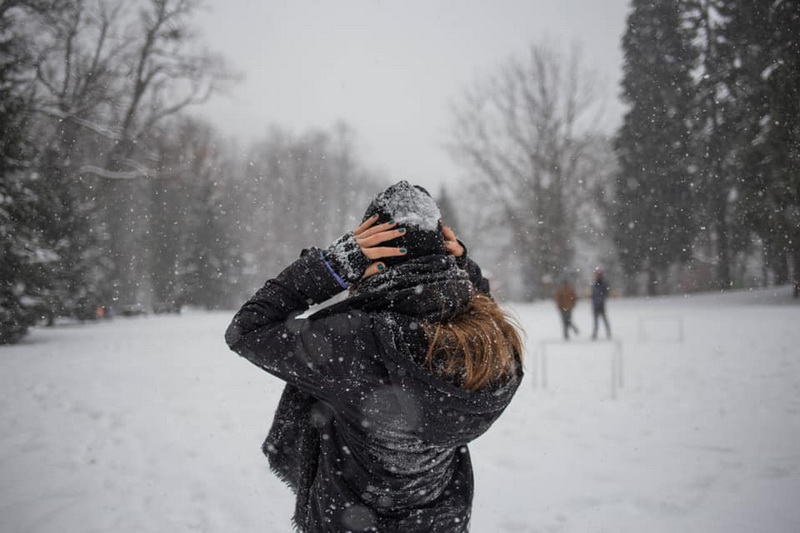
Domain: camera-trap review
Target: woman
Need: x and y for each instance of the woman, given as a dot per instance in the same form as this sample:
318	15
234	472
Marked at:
385	388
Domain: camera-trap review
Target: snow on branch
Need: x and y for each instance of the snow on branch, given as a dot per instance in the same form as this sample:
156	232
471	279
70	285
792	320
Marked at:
113	174
138	171
93	126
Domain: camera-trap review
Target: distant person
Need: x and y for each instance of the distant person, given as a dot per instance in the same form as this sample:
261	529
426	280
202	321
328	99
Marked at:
566	298
386	387
600	292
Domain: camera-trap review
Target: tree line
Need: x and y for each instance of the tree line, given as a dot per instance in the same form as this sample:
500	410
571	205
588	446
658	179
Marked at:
113	198
709	150
698	189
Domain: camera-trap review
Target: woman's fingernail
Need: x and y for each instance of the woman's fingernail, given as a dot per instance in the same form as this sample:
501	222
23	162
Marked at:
402	230
380	266
403	251
390	222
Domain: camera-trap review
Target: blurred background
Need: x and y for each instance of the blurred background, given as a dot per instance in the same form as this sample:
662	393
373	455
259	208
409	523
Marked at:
157	154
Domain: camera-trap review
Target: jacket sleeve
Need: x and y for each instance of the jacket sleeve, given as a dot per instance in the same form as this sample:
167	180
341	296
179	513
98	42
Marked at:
299	351
474	271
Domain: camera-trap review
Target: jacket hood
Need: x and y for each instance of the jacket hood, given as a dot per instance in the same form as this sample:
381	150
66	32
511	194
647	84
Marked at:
446	414
400	300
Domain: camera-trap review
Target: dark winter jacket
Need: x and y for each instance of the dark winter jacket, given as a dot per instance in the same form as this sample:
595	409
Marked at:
364	434
600	292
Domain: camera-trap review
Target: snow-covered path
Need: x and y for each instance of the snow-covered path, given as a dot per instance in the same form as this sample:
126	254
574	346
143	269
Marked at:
152	425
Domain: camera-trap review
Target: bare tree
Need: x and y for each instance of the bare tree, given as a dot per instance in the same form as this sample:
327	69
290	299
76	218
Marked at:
526	134
118	68
166	72
190	245
110	72
303	190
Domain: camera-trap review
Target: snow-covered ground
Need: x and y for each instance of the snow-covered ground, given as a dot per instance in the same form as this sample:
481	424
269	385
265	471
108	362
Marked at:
152	425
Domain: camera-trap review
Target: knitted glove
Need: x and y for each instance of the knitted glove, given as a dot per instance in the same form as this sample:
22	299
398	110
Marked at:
346	259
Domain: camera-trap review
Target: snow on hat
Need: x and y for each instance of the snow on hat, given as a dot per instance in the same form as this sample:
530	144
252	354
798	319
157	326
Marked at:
413	208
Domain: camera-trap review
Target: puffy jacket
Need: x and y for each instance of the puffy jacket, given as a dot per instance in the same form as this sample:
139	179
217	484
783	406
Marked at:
382	443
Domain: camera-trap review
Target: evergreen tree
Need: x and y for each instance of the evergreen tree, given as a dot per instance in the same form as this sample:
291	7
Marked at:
766	41
69	226
716	143
21	247
205	252
191	248
652	218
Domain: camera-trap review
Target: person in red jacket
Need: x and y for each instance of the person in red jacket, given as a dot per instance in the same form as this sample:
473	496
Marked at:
566	298
386	388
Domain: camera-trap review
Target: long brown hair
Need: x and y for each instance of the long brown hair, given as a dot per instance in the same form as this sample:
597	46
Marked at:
478	347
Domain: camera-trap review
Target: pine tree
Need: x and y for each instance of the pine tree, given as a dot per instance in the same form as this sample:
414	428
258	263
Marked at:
20	246
652	219
205	254
716	138
21	251
190	250
767	43
69	226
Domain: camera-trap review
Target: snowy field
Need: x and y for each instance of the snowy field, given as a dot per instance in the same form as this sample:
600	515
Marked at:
152	425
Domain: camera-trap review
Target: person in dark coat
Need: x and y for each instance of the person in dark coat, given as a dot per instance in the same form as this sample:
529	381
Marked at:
566	298
386	388
600	292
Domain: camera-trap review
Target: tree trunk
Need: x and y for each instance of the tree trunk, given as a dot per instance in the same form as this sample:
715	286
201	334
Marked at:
122	216
530	279
796	260
723	245
652	281
780	266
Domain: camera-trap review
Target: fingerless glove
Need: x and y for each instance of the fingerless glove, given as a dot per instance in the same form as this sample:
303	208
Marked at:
346	259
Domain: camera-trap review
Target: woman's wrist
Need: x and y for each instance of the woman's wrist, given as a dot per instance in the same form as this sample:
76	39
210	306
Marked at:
345	259
462	259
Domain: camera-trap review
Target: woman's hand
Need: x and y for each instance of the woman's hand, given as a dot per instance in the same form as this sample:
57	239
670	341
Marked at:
451	242
369	236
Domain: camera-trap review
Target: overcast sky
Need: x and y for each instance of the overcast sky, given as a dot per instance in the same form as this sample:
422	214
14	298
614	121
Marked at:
391	68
